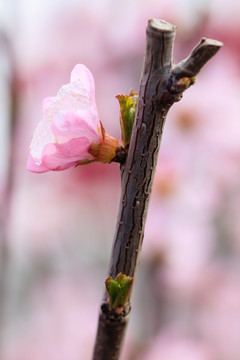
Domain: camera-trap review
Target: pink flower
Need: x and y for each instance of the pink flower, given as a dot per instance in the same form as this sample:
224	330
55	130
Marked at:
70	132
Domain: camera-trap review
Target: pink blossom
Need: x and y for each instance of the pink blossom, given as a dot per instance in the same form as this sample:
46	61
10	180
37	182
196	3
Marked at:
70	125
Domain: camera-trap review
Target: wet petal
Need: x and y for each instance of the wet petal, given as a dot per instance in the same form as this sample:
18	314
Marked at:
63	156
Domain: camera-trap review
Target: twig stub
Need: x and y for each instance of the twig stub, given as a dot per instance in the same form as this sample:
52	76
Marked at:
199	56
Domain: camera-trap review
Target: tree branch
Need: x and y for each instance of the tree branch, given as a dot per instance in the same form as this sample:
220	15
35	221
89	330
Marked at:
158	91
199	56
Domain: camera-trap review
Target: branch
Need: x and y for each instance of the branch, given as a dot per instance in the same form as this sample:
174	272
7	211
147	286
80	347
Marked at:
199	56
159	89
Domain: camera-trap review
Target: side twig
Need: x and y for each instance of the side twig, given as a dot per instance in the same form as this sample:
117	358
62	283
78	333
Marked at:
161	85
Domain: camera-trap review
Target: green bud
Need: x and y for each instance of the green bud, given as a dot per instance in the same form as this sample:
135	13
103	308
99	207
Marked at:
128	106
118	290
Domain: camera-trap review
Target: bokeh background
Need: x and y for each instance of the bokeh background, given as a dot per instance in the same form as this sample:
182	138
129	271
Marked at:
56	229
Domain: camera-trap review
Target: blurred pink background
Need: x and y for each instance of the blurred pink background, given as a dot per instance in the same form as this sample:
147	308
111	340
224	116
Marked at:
56	229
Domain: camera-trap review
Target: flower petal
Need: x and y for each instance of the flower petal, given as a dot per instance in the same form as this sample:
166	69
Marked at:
35	165
77	96
63	156
82	76
47	102
75	125
42	136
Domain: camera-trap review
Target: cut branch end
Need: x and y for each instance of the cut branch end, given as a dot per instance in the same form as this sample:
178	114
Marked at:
161	25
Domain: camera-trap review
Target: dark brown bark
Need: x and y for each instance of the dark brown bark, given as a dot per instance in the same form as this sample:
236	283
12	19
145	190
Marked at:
158	91
111	330
137	173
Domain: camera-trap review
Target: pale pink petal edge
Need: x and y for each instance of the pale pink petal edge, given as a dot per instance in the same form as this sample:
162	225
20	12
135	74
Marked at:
58	157
33	167
81	72
46	102
75	125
